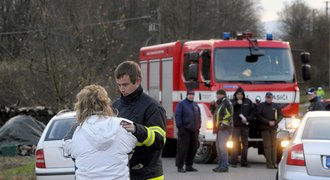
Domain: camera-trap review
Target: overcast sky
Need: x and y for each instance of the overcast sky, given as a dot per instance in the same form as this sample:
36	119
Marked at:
271	7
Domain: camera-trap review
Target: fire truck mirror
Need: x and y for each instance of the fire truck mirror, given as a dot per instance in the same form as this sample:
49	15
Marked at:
305	56
306	71
207	84
251	59
193	72
205	53
192	85
192	57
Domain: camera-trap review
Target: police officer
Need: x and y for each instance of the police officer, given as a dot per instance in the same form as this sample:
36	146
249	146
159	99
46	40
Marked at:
315	103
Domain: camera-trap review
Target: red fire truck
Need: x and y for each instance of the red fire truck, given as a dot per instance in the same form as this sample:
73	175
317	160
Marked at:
256	65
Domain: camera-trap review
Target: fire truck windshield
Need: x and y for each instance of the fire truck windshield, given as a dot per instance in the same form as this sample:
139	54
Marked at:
275	66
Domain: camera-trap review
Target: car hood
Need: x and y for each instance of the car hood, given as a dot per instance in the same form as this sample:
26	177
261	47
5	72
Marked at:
315	152
101	131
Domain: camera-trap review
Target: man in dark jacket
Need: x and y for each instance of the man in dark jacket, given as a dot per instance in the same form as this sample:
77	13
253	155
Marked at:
269	115
243	114
316	104
188	122
222	123
149	125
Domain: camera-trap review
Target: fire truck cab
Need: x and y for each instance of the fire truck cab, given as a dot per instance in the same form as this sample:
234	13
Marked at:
256	65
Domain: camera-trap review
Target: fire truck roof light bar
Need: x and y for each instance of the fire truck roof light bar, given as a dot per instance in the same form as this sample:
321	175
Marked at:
244	35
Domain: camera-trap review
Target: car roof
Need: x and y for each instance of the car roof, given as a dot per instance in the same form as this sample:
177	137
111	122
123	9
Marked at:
317	114
65	115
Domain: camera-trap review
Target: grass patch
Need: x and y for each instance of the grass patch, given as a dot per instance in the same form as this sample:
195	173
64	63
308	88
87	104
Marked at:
17	168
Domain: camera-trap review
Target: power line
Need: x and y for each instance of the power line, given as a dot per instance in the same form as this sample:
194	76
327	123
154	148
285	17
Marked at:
69	27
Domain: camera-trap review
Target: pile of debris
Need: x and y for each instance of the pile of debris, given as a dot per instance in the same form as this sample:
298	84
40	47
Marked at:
41	113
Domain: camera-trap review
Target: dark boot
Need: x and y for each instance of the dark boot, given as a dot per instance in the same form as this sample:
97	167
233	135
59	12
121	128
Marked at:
181	170
191	169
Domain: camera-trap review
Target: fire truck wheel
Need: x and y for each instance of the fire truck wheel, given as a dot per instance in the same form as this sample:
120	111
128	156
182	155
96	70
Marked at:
206	153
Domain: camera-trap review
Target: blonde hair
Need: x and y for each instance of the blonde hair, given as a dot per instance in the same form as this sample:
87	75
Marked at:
92	100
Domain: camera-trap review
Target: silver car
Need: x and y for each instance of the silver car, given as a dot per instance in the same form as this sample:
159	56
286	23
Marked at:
51	162
307	156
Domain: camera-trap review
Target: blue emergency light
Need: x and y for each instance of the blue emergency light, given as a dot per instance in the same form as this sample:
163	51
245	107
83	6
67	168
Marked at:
226	35
269	36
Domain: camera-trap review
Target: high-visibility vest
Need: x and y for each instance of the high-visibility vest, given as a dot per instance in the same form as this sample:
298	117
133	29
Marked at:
226	119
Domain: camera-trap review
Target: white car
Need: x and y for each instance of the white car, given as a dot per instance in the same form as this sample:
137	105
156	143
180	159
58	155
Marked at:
307	156
51	162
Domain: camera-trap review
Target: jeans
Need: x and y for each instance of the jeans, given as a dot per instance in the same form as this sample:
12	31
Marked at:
240	134
221	141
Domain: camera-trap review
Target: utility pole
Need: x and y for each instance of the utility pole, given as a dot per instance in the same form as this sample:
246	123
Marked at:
159	39
326	12
155	25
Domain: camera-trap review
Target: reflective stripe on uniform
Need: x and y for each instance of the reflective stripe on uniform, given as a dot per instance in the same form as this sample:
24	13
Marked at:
275	114
158	178
160	131
149	140
225	119
217	116
151	135
226	116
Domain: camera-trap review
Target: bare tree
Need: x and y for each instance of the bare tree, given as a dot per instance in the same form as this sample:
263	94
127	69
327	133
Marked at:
306	29
50	49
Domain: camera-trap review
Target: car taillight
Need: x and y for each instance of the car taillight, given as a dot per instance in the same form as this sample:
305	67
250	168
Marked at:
296	155
40	159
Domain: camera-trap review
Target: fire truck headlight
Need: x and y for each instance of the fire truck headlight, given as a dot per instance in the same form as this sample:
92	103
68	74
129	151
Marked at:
284	143
293	124
230	144
209	125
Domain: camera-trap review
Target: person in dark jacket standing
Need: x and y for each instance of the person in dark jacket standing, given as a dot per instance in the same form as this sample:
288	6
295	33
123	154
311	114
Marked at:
269	115
222	123
149	122
243	114
188	122
316	104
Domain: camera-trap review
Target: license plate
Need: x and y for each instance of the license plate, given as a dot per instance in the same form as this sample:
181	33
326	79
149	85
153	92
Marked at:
328	162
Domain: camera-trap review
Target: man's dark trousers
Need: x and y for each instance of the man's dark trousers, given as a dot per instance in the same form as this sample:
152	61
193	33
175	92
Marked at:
186	147
237	133
269	143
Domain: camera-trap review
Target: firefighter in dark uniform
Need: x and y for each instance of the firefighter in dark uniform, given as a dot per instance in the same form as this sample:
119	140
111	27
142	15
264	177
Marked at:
316	104
188	122
269	115
149	125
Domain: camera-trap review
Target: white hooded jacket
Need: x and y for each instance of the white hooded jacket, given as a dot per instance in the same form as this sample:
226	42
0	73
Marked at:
100	148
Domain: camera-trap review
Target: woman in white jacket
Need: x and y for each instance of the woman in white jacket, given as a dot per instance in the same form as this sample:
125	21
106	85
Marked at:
99	145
